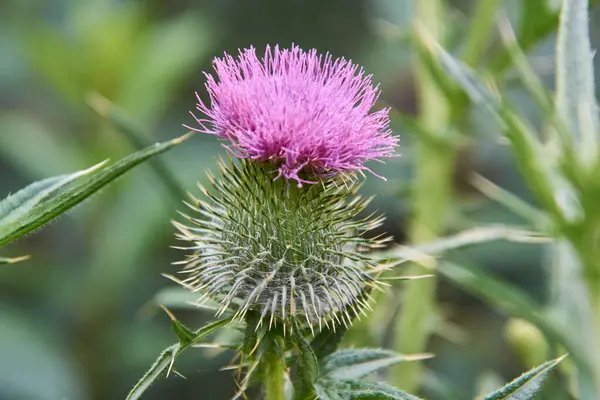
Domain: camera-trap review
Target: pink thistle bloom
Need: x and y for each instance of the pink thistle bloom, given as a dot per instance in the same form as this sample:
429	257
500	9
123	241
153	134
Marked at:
298	110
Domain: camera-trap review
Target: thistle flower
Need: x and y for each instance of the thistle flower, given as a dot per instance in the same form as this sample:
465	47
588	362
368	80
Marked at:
282	252
301	111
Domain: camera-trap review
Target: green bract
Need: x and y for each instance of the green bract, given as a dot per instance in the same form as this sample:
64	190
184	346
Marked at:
268	246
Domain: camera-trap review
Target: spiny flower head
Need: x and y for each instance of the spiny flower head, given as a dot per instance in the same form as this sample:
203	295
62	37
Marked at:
266	247
297	109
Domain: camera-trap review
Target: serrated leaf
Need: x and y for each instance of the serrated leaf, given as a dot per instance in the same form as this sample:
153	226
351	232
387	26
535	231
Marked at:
357	363
19	204
52	207
527	385
167	357
355	390
163	361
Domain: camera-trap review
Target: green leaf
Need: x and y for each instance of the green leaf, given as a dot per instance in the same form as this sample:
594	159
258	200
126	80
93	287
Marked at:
520	207
575	88
424	253
355	390
167	357
185	334
533	159
515	302
527	385
47	209
357	363
21	203
327	341
308	367
538	19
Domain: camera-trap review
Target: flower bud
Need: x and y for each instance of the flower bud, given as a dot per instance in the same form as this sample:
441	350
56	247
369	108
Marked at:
264	245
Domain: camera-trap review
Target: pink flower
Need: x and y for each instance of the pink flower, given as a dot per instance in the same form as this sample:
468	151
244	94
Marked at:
306	113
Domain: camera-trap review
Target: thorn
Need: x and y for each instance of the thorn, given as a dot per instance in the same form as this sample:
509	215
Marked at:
169	313
179	374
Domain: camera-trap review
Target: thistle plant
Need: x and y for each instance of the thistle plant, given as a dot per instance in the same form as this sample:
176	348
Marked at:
279	245
270	247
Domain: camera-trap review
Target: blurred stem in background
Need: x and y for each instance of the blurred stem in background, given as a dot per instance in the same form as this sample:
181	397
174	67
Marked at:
441	114
430	201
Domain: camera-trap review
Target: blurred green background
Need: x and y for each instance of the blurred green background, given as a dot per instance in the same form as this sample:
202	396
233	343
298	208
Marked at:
80	320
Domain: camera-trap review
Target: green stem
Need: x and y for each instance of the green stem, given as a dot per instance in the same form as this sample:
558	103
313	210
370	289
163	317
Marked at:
274	375
479	30
431	197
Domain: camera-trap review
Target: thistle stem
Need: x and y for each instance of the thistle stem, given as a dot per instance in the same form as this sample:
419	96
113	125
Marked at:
431	198
274	376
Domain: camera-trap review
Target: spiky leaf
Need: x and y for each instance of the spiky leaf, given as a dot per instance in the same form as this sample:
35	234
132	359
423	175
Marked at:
45	202
355	390
527	385
353	364
25	200
167	357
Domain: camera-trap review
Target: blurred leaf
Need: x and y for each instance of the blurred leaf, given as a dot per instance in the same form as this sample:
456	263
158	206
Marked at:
516	303
353	364
405	278
181	42
527	385
35	150
534	162
538	20
137	136
34	365
167	357
4	260
416	127
487	382
424	253
67	199
354	390
445	84
441	387
575	88
479	31
537	218
179	297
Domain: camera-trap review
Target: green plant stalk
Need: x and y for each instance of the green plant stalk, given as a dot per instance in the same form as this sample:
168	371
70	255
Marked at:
431	196
274	382
481	26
